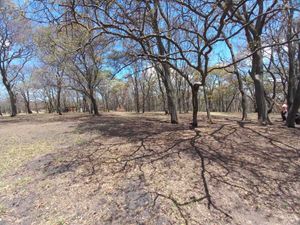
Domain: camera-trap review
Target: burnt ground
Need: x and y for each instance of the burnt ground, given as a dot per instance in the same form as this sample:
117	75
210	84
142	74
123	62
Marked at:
124	168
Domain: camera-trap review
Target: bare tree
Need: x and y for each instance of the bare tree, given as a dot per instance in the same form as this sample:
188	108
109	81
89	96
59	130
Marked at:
239	78
24	87
296	101
253	16
15	49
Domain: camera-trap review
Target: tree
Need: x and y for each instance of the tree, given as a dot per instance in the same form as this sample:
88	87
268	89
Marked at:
296	101
294	108
253	16
15	48
85	73
290	32
115	27
55	57
182	42
236	71
24	87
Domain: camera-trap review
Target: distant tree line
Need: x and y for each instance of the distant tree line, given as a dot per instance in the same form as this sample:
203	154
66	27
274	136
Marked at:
153	55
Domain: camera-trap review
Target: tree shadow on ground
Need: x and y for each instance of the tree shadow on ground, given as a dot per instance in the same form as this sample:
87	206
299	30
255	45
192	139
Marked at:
128	127
147	171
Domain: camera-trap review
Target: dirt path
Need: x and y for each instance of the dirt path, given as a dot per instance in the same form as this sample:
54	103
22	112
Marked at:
121	168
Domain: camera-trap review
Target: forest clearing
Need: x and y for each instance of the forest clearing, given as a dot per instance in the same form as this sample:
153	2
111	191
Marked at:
128	168
152	112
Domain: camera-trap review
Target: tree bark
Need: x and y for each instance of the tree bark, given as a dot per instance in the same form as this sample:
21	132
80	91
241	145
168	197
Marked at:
26	99
58	107
27	105
94	104
50	102
106	103
178	87
257	77
162	93
291	58
36	107
170	94
290	121
166	76
207	104
244	102
143	97
13	102
12	97
195	89
187	100
85	105
136	94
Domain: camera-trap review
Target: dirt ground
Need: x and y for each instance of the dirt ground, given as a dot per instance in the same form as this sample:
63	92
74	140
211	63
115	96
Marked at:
125	168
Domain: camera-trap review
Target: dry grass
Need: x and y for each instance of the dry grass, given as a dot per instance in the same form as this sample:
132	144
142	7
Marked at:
126	168
17	154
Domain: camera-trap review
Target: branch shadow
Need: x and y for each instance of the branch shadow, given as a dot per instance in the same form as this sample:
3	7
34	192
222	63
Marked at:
151	164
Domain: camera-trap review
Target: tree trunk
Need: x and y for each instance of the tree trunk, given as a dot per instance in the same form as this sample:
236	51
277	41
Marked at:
183	99
207	104
12	97
230	103
13	102
257	77
290	121
106	103
148	97
36	107
94	104
244	102
292	79
166	75
58	107
162	92
77	102
28	109
26	99
166	79
136	94
50	106
244	105
50	103
143	98
28	103
85	104
291	57
195	89
179	102
178	87
187	100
